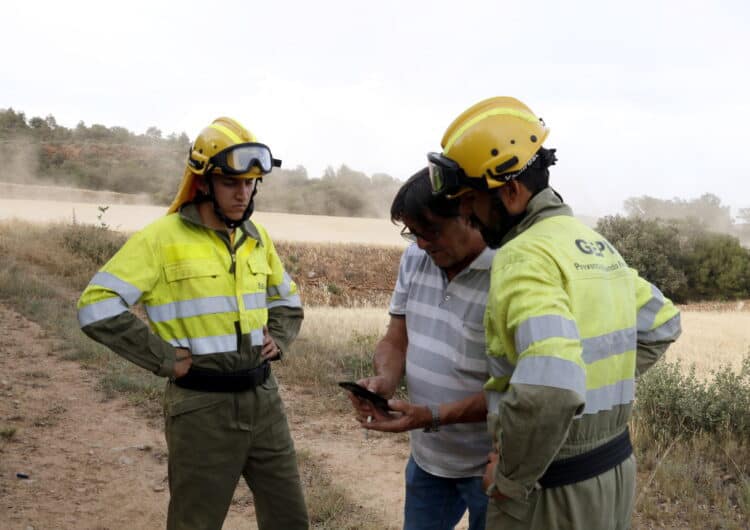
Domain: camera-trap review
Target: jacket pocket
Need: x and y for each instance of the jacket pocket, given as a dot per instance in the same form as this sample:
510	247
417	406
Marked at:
188	269
257	264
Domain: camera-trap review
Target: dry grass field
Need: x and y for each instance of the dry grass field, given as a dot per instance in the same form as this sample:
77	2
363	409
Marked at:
132	217
711	339
691	480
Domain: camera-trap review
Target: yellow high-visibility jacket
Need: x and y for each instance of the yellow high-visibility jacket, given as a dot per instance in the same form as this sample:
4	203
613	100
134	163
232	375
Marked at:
569	326
200	291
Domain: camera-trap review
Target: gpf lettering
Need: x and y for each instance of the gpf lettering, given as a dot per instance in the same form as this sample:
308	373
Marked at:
594	248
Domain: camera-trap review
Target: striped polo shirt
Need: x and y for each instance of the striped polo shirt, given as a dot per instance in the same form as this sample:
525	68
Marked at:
445	359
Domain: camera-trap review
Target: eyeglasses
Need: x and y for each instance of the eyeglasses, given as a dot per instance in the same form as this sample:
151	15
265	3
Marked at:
431	235
241	158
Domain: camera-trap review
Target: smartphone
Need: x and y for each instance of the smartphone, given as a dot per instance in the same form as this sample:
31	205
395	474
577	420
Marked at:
361	392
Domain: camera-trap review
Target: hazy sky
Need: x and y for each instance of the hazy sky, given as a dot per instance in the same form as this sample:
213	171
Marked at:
642	97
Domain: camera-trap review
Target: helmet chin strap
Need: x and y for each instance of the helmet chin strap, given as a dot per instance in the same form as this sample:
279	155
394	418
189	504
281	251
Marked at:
231	223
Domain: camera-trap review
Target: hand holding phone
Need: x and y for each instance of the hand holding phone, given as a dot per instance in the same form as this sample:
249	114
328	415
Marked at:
361	392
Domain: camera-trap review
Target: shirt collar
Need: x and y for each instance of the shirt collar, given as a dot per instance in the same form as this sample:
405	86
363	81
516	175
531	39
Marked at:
484	260
189	212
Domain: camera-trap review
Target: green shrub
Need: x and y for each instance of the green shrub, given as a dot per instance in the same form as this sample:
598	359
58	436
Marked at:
671	402
334	289
95	243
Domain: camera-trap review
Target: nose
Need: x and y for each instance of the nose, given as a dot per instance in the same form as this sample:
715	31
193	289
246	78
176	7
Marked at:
245	190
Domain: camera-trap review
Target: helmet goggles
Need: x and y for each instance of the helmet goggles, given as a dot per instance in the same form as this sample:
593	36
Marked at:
447	177
241	158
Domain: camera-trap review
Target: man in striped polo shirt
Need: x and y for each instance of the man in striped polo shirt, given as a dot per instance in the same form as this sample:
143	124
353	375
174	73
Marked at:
436	338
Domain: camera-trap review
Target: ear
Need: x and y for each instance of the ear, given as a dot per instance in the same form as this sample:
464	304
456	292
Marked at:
466	204
202	185
515	196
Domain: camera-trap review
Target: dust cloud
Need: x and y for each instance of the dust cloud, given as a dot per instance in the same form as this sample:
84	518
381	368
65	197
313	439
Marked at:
36	204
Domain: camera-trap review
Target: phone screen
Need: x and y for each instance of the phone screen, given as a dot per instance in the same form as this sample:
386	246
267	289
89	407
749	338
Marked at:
361	392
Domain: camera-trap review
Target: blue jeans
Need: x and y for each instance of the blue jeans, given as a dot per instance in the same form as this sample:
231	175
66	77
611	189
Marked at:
436	503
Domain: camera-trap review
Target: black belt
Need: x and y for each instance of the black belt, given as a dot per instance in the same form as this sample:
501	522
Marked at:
588	465
209	381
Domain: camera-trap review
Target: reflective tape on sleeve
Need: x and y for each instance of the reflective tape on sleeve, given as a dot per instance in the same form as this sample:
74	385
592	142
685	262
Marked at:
647	313
670	330
544	327
550	371
127	291
108	308
256	337
289	301
282	289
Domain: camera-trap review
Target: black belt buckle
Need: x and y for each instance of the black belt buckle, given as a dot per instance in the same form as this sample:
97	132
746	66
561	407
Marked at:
208	381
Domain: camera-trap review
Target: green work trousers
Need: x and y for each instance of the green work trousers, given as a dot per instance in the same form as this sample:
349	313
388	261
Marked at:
604	502
212	439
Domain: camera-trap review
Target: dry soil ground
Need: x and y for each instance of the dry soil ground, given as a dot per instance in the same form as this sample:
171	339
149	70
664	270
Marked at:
77	460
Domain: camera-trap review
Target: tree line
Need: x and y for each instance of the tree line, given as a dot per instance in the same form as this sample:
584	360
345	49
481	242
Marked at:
693	250
115	159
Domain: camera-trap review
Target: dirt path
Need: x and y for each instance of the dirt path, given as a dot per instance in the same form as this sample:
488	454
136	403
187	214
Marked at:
97	464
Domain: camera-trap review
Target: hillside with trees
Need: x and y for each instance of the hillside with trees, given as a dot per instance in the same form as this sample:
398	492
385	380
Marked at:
39	150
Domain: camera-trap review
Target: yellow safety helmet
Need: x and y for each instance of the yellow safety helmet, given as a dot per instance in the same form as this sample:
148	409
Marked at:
489	144
223	148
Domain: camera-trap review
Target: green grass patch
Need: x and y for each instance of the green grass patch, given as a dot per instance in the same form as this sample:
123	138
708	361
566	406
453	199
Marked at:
7	433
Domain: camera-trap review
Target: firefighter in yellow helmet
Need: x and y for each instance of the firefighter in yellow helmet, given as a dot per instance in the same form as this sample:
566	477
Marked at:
569	326
220	308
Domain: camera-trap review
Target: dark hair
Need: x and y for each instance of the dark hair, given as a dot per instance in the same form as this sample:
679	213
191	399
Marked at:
415	197
536	176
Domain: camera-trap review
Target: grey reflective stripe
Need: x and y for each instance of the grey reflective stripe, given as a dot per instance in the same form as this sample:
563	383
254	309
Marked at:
608	397
254	300
493	400
670	330
217	343
290	301
550	371
283	289
256	337
108	308
499	366
647	313
206	345
127	291
543	327
191	308
603	346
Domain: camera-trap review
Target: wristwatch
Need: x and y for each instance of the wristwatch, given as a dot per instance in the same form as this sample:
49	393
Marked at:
434	426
